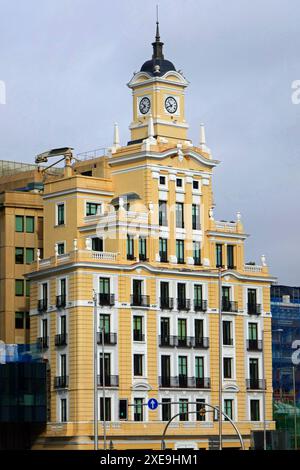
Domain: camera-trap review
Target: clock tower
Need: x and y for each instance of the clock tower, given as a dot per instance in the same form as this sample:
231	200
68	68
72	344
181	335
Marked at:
158	92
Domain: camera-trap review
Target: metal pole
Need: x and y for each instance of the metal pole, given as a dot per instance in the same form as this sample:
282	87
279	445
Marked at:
295	408
103	389
264	390
95	374
220	358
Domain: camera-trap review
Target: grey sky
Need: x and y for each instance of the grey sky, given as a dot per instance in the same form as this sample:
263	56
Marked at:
66	63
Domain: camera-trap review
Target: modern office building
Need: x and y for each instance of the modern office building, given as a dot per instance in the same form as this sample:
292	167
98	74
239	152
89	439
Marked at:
285	308
134	230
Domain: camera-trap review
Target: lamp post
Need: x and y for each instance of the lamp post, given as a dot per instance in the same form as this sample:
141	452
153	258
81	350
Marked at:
103	387
220	357
95	373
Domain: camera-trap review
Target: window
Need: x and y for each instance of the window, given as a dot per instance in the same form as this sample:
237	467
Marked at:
195	185
107	369
179	182
27	284
181	296
104	285
165	371
252	301
182	371
92	208
130	247
60	248
163	250
29	224
197	253
226	304
142	248
45	291
179	215
63	325
45	328
165	330
19	223
195	217
19	320
182	331
107	409
199	331
230	257
219	256
165	301
183	409
198	296
166	409
200	408
19	287
138	409
162	213
63	365
138	364
104	324
138	328
252	331
60	208
254	410
254	372
180	251
97	244
199	367
29	255
227	367
228	408
19	255
162	180
137	286
227	337
123	409
63	410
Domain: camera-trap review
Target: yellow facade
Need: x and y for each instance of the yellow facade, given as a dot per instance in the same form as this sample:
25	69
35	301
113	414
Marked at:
124	229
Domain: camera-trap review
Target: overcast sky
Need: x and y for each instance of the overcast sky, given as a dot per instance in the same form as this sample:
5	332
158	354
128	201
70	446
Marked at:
65	64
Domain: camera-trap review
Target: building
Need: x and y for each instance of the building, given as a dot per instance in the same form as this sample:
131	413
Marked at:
285	308
136	227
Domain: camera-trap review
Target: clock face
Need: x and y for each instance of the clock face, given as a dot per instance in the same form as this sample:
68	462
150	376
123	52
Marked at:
171	105
144	105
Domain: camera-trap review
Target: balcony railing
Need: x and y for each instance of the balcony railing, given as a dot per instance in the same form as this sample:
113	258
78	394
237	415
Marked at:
166	303
183	304
254	344
43	342
110	381
61	301
229	306
61	339
138	335
200	305
201	343
106	299
254	309
140	300
183	342
109	338
61	381
42	305
168	341
255	384
182	381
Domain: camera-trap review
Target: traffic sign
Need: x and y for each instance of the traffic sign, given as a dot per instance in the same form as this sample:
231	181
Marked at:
152	404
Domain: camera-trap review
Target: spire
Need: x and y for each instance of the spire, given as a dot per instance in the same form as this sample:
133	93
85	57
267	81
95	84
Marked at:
157	45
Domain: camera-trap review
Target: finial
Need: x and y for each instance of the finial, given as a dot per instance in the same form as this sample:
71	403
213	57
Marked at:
116	141
157	37
157	45
202	136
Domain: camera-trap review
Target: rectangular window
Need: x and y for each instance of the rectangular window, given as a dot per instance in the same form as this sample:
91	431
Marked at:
200	408
227	335
182	366
254	372
228	408
254	410
166	409
60	248
230	257
19	287
130	247
179	215
252	301
197	253
63	325
195	185
60	208
227	367
137	287
63	365
29	224
19	223
226	303
138	409
92	208
183	409
165	330
162	213
138	328
162	180
45	328
219	256
198	296
180	251
97	244
107	409
165	371
104	285
142	248
199	367
179	182
195	217
199	331
107	369
104	323
63	410
19	255
138	364
29	255
163	250
19	320
181	331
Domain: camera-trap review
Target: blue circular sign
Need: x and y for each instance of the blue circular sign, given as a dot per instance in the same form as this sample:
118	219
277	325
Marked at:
152	404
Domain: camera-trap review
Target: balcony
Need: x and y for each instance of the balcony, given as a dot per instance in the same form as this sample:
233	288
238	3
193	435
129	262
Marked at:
42	305
255	384
201	343
229	306
61	339
167	341
183	304
166	303
200	305
110	381
254	309
138	335
43	342
182	381
61	301
109	338
254	345
61	381
106	299
140	300
183	342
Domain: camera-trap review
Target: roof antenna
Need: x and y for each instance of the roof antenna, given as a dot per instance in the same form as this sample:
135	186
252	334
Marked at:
157	25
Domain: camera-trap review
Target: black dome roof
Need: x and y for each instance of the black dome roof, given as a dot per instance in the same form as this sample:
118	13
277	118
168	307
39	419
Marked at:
158	65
